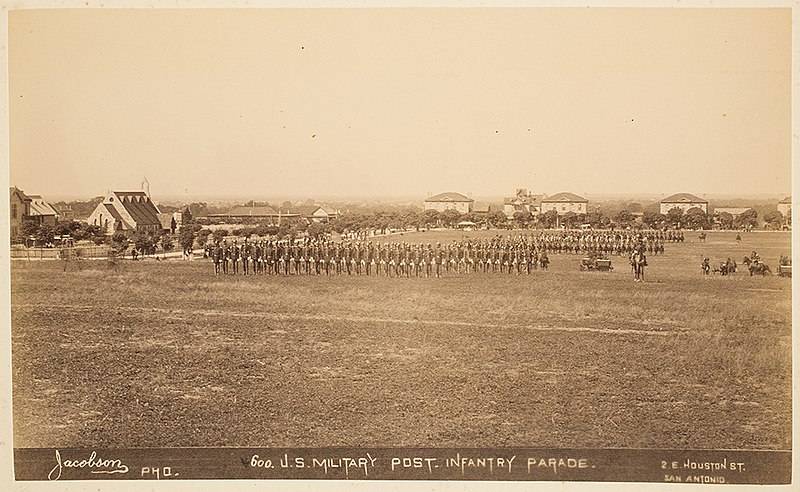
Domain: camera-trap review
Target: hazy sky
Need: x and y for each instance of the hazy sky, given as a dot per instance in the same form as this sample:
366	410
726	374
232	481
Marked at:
376	102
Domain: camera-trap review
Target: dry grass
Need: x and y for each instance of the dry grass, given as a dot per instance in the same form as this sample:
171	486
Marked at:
166	354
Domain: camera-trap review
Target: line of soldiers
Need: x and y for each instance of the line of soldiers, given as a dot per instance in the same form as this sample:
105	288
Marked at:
607	243
520	254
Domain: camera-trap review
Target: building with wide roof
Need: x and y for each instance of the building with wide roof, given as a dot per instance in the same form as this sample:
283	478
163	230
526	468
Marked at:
564	203
41	211
126	211
449	200
683	201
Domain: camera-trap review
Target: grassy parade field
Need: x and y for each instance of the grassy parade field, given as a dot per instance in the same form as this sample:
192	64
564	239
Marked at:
166	354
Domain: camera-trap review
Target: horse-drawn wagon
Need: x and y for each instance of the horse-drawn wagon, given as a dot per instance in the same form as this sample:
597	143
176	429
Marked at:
785	270
600	264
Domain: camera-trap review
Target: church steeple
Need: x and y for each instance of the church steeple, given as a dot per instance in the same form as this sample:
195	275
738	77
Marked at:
146	185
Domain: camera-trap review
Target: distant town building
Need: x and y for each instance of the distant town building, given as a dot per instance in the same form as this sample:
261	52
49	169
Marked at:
166	220
128	211
523	201
449	201
41	211
65	212
322	214
683	201
565	202
20	208
785	206
734	211
263	214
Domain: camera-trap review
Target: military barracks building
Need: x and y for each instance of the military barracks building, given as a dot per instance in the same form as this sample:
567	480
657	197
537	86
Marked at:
683	201
269	215
449	201
564	203
32	207
126	211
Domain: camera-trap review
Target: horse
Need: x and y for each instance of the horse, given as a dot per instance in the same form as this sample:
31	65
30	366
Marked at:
759	267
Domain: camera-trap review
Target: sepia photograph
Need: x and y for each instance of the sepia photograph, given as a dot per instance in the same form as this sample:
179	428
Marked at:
504	243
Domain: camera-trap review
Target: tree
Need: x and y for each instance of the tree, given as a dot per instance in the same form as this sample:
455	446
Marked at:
202	237
774	219
118	242
186	239
522	219
219	234
549	219
411	218
144	243
450	217
45	234
569	219
317	230
596	219
29	229
654	220
696	218
496	218
166	242
674	216
724	220
431	218
747	219
624	218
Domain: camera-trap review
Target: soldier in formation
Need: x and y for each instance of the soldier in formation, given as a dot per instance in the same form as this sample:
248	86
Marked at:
519	255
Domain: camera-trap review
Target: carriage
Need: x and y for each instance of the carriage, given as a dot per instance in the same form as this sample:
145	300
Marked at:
785	270
600	264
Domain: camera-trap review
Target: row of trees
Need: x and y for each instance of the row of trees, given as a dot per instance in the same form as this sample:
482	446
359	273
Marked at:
43	234
194	235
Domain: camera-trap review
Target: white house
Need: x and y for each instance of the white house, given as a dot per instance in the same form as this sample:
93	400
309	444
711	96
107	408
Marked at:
565	202
449	201
683	201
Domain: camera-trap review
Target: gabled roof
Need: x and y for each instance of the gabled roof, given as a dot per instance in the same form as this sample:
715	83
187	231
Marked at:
166	221
113	212
787	200
141	209
565	197
683	198
324	210
305	210
449	196
41	207
22	196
